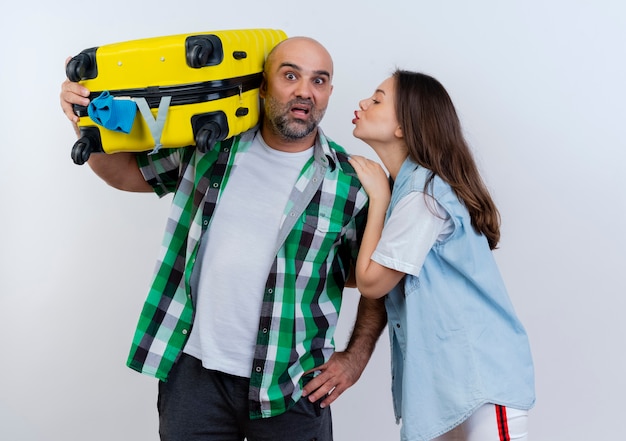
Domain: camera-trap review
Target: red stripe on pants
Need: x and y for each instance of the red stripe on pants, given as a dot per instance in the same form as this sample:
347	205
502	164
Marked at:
503	424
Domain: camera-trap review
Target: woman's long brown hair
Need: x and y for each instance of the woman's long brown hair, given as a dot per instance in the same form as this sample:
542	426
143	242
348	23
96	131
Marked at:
433	135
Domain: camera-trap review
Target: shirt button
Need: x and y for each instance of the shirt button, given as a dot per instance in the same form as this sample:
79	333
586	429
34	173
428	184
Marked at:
264	330
185	332
258	369
205	222
397	325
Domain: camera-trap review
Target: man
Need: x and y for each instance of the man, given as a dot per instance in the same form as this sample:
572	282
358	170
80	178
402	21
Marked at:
263	232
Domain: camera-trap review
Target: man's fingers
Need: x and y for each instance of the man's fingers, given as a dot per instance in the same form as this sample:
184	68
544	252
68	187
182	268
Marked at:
317	388
332	396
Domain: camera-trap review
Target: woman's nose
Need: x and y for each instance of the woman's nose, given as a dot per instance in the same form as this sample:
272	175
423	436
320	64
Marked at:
363	104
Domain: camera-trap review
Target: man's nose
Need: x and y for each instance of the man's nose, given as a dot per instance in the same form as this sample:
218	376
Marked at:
303	89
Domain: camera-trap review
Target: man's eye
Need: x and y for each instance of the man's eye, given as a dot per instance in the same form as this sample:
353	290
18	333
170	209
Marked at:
320	81
290	76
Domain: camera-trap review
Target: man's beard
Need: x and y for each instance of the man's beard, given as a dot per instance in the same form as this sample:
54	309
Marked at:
289	128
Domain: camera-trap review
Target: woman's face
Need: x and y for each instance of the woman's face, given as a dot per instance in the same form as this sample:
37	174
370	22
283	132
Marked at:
375	122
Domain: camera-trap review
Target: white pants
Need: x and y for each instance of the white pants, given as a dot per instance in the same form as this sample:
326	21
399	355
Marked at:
491	423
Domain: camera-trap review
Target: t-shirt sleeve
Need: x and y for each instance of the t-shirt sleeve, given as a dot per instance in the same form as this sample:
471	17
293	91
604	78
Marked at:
410	233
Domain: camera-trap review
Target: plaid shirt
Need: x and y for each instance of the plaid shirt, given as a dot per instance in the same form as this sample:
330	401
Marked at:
320	231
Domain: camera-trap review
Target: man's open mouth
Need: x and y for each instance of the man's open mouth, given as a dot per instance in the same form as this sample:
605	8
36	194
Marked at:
301	109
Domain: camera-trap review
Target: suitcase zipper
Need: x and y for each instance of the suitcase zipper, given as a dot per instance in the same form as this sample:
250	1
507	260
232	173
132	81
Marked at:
192	93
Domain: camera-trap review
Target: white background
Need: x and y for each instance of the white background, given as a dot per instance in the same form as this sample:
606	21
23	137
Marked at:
539	86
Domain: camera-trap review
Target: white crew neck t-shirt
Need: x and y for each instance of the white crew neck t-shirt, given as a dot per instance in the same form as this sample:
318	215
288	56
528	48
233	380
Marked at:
236	255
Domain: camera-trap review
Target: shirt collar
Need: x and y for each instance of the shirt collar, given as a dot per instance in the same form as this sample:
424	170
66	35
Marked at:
322	152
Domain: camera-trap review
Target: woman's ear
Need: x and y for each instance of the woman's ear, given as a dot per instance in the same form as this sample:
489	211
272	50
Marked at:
398	132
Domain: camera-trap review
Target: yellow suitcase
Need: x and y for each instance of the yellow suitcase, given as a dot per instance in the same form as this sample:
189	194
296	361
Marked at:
189	89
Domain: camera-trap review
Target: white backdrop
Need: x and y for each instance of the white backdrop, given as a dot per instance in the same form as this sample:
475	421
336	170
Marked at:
540	87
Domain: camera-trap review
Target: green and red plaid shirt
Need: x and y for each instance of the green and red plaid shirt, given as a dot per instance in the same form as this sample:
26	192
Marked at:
321	229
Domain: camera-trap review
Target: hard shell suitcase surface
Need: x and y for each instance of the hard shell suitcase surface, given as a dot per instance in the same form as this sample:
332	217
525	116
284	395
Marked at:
190	89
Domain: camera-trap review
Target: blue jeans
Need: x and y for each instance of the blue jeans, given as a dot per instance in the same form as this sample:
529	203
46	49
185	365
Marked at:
197	404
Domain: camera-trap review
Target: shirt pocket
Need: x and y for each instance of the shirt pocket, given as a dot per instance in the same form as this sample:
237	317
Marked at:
322	222
320	235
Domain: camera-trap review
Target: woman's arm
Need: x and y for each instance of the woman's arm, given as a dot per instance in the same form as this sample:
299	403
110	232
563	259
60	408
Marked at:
373	280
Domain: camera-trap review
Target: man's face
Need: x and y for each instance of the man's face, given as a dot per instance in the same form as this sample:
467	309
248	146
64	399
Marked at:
297	87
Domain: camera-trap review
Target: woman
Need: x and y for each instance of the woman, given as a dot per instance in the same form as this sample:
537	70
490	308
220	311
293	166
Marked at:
461	362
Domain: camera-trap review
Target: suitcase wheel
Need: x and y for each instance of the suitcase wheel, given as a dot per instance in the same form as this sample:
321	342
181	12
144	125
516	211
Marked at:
204	50
86	144
83	66
208	135
81	151
208	129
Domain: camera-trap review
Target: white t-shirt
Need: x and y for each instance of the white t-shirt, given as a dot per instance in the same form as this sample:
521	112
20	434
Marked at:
410	233
236	255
